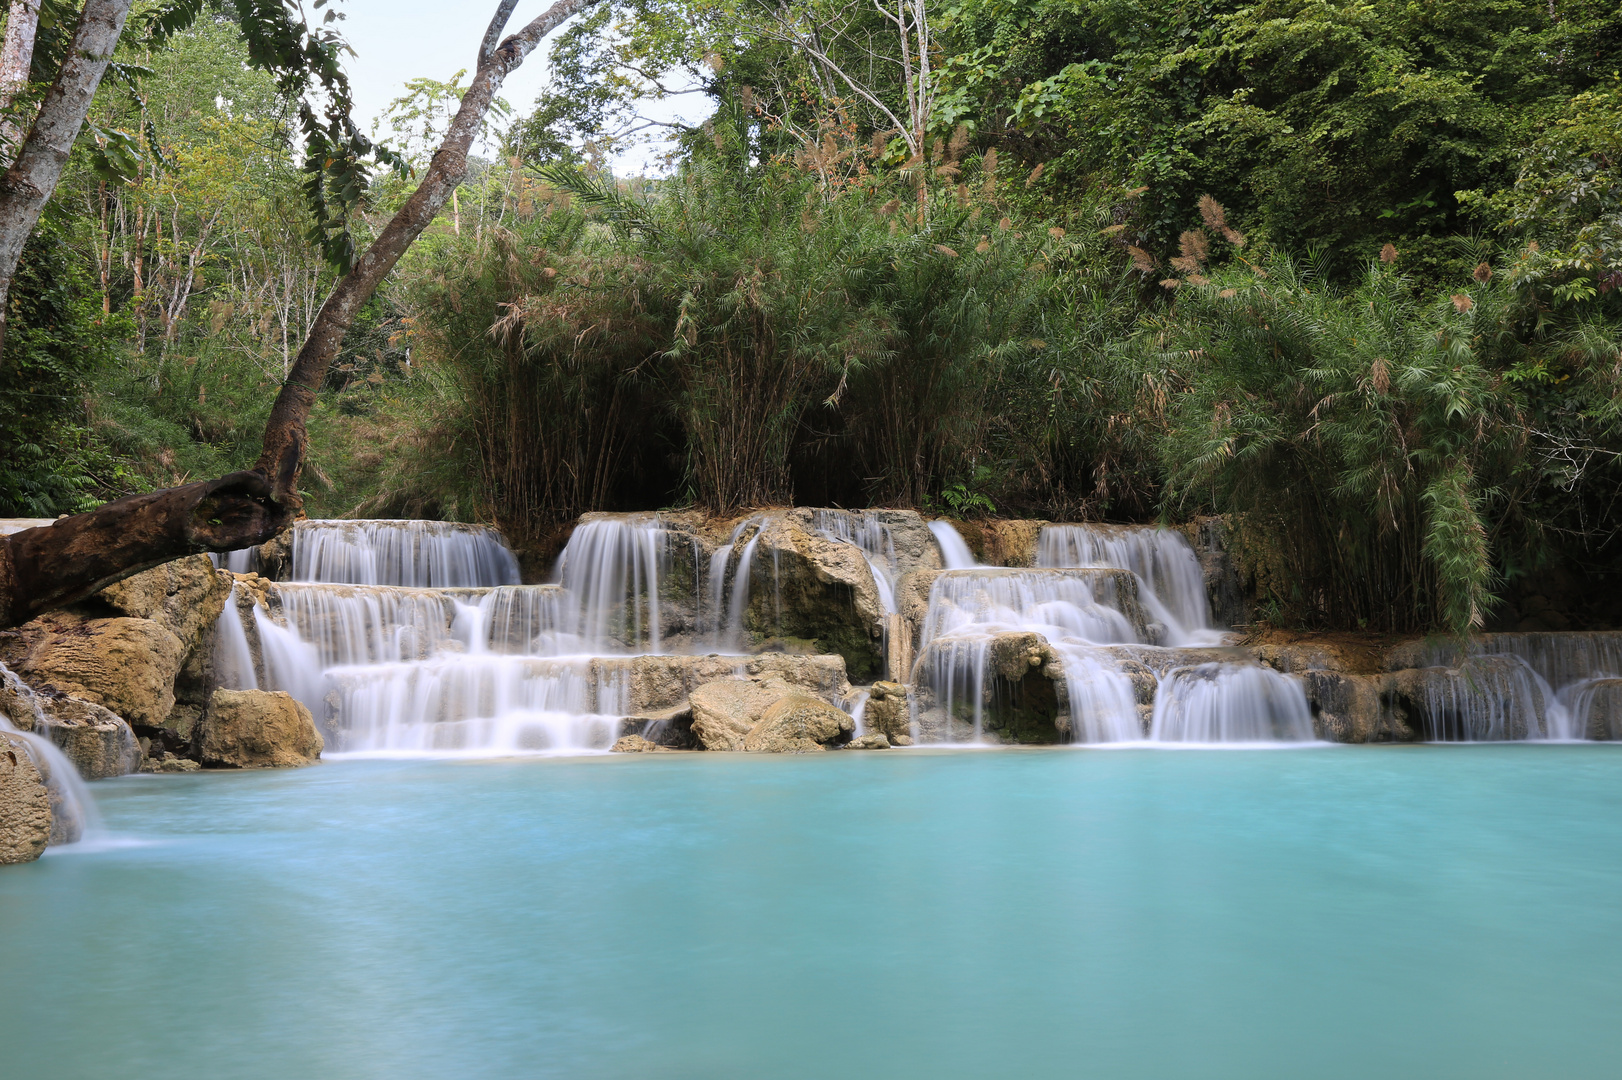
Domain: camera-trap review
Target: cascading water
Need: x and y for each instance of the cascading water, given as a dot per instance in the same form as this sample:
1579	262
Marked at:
955	554
1097	588
455	666
1230	703
611	569
1074	611
73	811
1172	583
1517	685
416	554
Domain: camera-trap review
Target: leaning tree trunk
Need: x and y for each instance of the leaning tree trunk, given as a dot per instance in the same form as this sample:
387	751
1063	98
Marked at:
77	556
28	184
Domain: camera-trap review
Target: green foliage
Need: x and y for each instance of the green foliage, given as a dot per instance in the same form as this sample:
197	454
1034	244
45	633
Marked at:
55	342
1364	429
1343	124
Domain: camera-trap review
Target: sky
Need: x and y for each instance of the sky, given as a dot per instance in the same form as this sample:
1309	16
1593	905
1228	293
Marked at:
397	40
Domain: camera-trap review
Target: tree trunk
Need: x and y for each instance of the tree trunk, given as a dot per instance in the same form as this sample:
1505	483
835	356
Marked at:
28	184
44	568
16	58
48	567
285	437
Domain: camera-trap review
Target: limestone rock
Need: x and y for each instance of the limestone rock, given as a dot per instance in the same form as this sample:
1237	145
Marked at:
725	711
875	741
1351	708
25	805
912	543
656	683
636	744
1224	587
184	597
127	665
887	712
254	729
822	591
168	763
798	724
1010	543
98	741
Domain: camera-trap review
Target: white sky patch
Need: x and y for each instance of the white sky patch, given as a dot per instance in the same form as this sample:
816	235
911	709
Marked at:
399	40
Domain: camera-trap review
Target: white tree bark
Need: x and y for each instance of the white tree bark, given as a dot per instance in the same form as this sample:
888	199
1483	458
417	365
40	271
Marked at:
28	184
16	58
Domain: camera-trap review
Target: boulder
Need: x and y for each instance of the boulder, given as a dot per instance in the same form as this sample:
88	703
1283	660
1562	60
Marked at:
887	712
98	742
184	597
257	729
819	591
910	541
656	683
127	665
799	724
875	741
25	805
1351	708
727	710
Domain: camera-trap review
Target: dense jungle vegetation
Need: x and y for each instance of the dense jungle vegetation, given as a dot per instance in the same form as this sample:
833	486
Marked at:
1350	272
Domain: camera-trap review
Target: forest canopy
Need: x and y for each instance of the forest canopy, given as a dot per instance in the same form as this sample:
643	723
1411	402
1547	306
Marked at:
1349	273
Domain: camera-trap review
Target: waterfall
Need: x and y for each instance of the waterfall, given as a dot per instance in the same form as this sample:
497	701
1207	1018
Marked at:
233	655
1230	703
1487	701
440	651
738	602
611	568
864	531
73	810
417	554
1544	691
955	554
477	705
244	561
1172	583
1075	611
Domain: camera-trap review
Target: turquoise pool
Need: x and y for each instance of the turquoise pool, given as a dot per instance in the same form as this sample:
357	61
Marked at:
1426	912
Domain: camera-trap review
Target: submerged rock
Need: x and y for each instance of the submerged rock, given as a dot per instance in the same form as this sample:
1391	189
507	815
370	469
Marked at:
25	804
636	744
799	724
875	741
259	729
168	763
